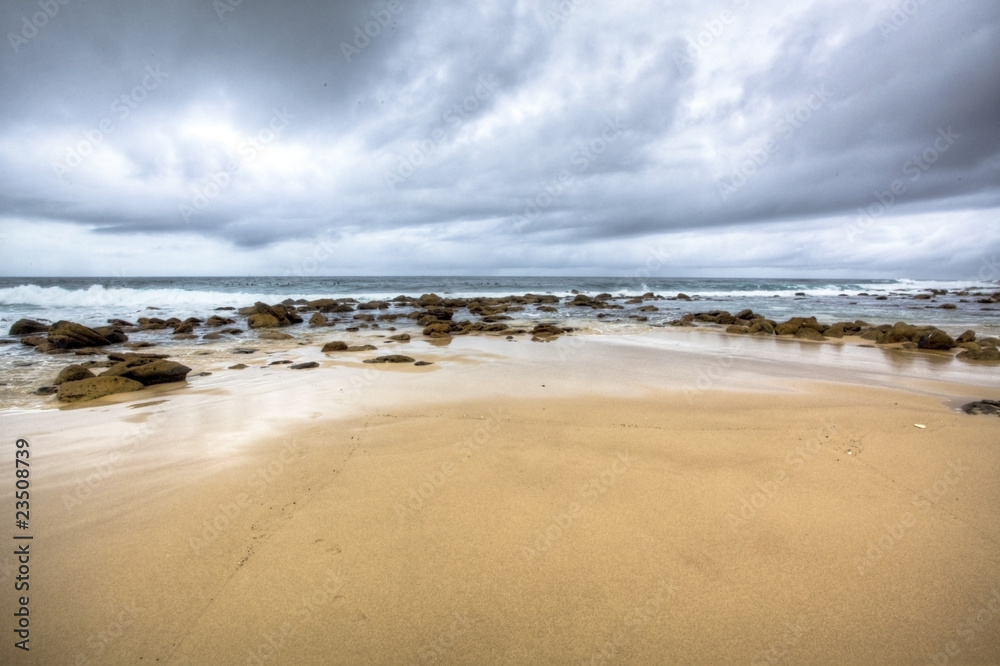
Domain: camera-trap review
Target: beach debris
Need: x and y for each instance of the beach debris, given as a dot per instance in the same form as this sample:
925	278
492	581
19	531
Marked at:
982	407
304	366
920	425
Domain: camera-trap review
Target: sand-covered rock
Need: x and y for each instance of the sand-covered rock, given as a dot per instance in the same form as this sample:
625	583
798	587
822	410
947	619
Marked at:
982	407
96	387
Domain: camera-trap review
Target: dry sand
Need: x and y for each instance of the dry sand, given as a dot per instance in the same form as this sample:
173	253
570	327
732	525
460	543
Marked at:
464	513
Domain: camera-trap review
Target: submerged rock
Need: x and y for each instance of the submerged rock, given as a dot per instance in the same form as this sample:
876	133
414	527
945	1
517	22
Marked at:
982	407
391	358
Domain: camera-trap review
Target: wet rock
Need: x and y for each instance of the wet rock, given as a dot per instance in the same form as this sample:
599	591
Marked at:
73	373
357	348
263	321
738	330
274	335
27	327
70	335
46	390
983	354
968	336
809	333
149	371
33	340
184	328
936	339
318	320
96	387
335	346
215	321
243	350
402	337
983	407
139	344
423	363
239	366
304	366
391	358
283	362
989	342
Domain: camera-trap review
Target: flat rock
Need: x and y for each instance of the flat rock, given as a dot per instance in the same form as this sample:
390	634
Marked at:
149	371
391	358
304	366
274	335
243	350
983	354
239	366
70	335
96	387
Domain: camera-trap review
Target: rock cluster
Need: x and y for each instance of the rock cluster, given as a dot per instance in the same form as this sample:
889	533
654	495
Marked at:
127	372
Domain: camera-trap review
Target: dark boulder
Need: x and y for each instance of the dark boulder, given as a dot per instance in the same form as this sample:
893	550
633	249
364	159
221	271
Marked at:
335	346
304	366
28	327
983	407
149	371
936	339
70	335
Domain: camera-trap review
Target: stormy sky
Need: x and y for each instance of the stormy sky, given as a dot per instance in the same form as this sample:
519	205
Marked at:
822	138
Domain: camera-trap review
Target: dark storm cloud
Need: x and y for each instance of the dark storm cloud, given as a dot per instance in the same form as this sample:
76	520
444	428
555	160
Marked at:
505	125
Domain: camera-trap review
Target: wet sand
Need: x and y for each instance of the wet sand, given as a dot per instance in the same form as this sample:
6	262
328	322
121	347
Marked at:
610	500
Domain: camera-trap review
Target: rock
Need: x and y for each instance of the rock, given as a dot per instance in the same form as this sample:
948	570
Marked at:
263	321
27	327
280	362
429	299
922	297
239	366
243	350
318	320
440	329
989	342
149	371
549	308
184	328
274	335
70	335
682	297
423	363
139	345
547	330
739	330
809	333
96	387
335	346
983	407
948	306
73	373
835	331
649	308
357	348
968	336
391	358
984	354
215	321
402	337
33	340
936	339
46	390
745	314
304	366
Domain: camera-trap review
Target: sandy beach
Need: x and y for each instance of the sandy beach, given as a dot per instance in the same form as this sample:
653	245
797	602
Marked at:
590	500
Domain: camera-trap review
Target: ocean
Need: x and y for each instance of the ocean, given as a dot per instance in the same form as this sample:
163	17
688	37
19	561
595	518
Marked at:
92	301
